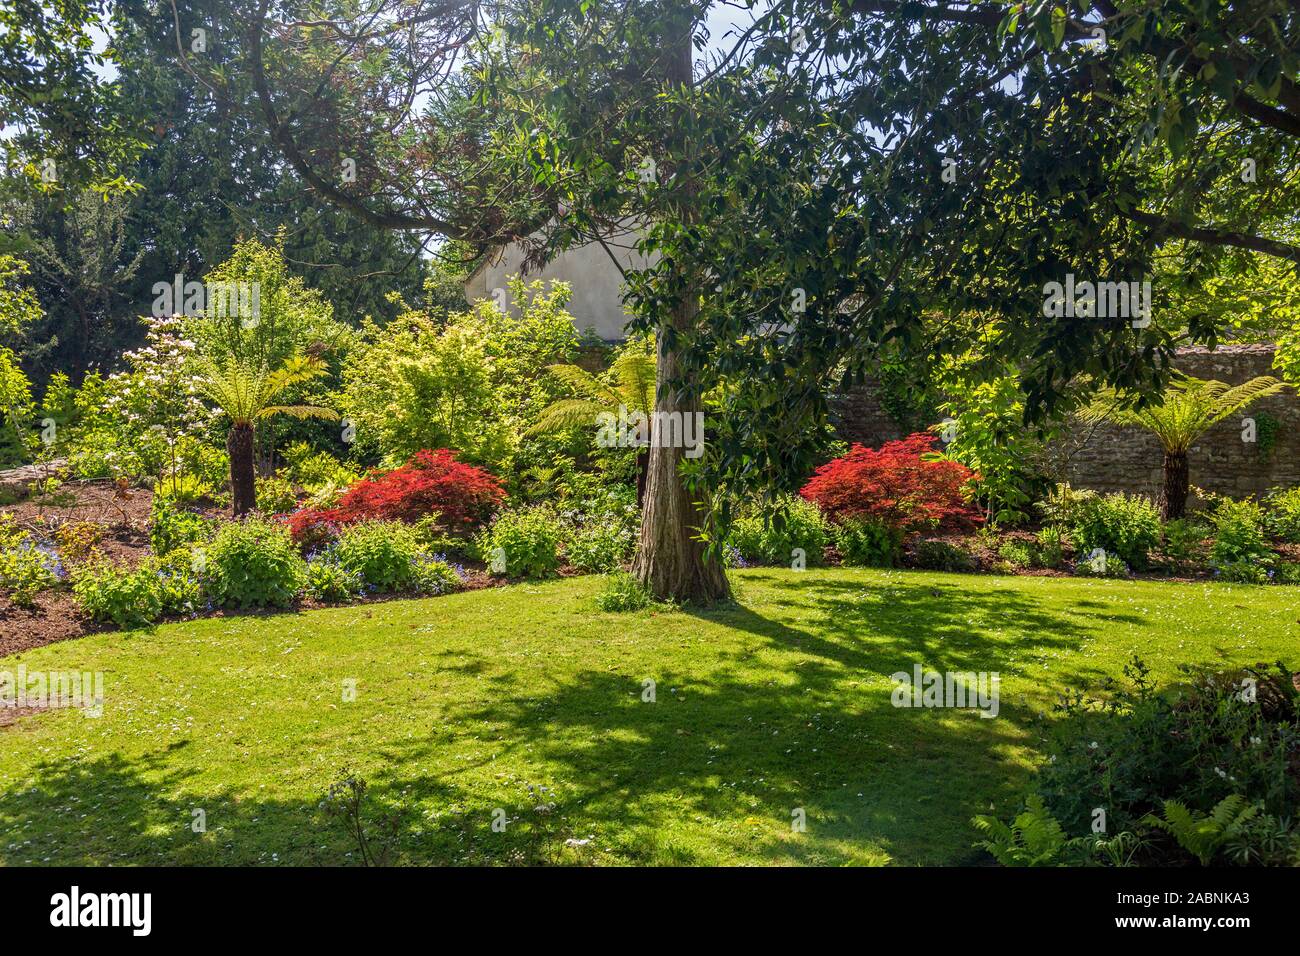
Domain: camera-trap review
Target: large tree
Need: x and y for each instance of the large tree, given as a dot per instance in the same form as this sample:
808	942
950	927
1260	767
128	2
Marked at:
830	179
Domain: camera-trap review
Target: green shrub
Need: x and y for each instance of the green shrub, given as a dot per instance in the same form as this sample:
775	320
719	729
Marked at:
1287	572
1239	534
1016	553
182	488
597	547
1132	748
1282	513
318	473
171	527
434	575
108	592
11	535
180	589
1100	563
253	563
275	496
1062	504
942	556
435	539
330	583
1125	525
523	543
771	535
622	592
26	570
1051	547
383	553
870	543
1242	572
78	541
1184	541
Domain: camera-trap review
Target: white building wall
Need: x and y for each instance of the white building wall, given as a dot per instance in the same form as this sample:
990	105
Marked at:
597	284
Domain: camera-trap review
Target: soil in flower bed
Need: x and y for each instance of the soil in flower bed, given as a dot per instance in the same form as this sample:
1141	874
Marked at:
124	515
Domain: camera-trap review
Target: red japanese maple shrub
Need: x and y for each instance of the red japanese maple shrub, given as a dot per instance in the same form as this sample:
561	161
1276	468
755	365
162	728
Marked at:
432	481
895	485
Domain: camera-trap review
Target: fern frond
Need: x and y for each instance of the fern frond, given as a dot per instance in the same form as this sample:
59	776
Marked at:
299	411
1191	407
584	383
634	377
567	413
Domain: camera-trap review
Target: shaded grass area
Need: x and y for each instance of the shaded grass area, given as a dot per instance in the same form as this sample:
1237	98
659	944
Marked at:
777	704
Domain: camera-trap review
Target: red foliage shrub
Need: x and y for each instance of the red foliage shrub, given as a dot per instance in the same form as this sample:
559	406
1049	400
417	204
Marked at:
894	485
432	481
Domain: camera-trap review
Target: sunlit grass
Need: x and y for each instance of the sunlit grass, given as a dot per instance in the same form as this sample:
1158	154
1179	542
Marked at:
775	705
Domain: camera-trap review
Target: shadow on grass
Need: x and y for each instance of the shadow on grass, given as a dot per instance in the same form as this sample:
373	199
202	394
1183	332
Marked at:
720	767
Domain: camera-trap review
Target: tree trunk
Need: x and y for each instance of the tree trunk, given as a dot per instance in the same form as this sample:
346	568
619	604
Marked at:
243	494
1174	500
670	560
642	466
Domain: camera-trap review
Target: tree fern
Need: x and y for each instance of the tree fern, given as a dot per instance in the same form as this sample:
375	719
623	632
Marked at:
246	393
629	382
1190	408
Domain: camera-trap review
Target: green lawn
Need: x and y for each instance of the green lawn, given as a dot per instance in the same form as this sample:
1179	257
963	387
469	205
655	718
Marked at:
779	702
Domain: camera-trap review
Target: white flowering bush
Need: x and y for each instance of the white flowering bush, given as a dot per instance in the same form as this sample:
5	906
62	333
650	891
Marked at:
135	422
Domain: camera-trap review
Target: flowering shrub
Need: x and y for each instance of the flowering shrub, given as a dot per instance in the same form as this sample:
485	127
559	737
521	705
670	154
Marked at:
382	553
331	583
462	494
897	486
434	575
600	547
134	421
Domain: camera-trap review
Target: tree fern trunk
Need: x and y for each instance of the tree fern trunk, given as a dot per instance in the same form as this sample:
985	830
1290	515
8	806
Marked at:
239	443
670	561
1174	500
642	467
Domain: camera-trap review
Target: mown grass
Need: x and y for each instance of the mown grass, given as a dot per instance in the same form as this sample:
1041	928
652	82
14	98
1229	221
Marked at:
776	703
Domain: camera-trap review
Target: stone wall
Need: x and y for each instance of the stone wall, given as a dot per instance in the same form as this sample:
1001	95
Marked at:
1129	459
859	416
1109	458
